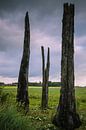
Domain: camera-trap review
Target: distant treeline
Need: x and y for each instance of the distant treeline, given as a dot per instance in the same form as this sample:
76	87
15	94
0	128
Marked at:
54	84
50	84
39	84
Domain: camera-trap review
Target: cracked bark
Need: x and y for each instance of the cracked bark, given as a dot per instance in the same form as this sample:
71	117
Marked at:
66	116
22	90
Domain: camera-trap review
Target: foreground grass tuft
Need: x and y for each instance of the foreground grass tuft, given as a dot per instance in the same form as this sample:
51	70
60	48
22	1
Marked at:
10	119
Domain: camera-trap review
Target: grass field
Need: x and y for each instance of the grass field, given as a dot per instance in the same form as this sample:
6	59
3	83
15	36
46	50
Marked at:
37	119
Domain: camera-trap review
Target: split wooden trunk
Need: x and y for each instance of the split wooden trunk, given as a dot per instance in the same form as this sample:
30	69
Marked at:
45	78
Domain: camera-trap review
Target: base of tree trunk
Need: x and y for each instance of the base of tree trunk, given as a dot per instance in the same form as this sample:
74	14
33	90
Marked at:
23	107
68	121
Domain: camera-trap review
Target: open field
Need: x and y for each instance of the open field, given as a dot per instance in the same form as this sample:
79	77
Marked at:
37	119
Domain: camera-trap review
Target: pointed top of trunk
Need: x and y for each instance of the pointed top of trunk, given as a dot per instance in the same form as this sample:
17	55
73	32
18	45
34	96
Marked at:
27	20
27	13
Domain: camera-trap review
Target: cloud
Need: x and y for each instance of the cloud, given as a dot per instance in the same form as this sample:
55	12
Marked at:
46	30
7	79
10	36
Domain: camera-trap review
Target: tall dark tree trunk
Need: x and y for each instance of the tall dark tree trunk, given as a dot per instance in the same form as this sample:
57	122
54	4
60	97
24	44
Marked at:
22	90
66	116
45	78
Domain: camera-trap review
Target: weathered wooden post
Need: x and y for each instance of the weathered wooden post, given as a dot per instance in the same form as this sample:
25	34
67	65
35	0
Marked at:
66	116
45	78
22	90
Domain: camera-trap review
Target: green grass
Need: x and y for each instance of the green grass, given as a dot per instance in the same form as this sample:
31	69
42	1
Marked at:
37	119
10	119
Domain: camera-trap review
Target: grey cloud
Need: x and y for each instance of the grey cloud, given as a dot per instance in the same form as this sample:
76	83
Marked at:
9	64
46	27
46	7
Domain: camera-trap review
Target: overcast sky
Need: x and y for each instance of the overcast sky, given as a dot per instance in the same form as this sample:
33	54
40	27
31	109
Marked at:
46	29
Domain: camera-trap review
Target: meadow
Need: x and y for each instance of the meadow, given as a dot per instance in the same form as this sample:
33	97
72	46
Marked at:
36	119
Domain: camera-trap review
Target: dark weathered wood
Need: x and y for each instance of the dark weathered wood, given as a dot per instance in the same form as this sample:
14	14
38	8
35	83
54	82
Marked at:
22	90
43	64
45	78
66	117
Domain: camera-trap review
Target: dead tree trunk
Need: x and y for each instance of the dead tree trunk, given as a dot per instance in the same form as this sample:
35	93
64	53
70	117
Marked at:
22	90
66	117
45	78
